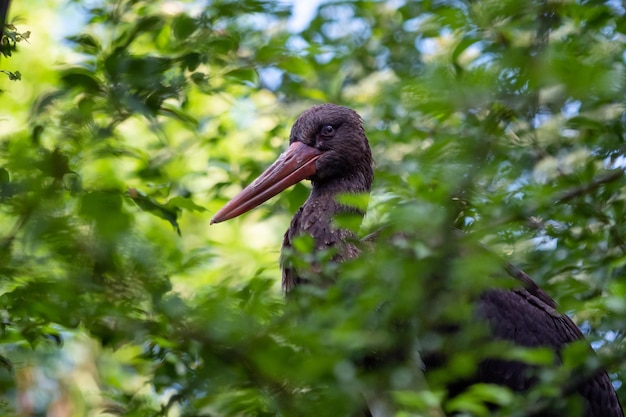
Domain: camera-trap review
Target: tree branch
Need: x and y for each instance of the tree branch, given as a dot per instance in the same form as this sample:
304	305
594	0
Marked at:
593	185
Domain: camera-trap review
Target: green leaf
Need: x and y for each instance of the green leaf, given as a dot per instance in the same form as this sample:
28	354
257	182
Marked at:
82	78
297	66
4	176
184	203
149	205
243	74
183	26
478	397
86	43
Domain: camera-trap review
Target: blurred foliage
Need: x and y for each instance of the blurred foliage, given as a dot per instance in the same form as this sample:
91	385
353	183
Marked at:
501	118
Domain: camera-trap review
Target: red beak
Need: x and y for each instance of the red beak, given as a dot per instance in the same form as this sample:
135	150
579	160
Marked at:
292	166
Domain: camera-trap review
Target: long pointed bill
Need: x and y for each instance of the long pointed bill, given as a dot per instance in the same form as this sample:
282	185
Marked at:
292	166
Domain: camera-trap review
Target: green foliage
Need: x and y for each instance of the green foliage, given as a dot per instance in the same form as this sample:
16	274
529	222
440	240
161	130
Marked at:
8	43
501	118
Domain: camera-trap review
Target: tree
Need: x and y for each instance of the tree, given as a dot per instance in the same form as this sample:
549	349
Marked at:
504	119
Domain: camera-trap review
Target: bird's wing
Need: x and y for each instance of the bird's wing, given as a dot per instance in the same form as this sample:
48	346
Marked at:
527	320
522	317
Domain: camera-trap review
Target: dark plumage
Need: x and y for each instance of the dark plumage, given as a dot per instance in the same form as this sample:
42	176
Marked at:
328	146
334	175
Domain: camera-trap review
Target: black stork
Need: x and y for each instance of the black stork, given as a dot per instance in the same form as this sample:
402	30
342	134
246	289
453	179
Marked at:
328	146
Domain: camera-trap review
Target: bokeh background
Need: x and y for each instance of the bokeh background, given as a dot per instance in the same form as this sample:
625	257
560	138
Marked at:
125	125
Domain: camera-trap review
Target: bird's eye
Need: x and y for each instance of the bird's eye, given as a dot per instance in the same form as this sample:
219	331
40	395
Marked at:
328	130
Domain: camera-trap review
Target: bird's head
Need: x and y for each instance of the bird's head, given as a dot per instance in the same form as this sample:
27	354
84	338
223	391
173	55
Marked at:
327	145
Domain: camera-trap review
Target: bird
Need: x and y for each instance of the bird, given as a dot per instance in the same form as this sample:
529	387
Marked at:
328	146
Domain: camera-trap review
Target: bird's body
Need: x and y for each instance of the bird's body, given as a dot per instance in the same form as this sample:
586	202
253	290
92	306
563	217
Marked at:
328	146
315	219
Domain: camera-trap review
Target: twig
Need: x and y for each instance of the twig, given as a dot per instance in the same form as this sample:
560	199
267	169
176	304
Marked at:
584	189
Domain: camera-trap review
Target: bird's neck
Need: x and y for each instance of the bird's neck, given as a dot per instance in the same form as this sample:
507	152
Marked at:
323	206
316	218
356	183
